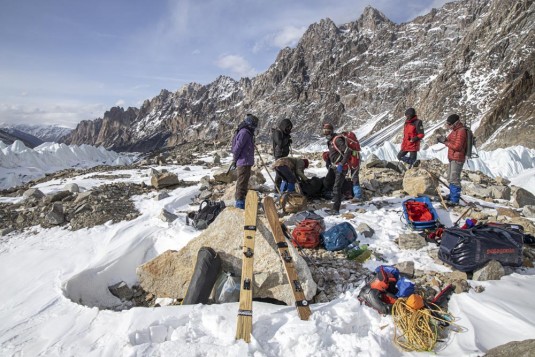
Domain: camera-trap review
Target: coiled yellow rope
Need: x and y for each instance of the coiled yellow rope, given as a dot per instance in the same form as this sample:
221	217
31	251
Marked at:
417	330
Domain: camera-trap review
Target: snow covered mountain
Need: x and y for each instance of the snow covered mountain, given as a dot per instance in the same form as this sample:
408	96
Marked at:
45	133
472	57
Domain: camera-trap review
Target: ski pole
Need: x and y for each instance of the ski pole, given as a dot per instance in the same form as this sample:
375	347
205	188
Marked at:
264	164
461	217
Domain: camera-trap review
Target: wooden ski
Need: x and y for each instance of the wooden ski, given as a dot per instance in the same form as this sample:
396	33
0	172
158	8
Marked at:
245	312
303	310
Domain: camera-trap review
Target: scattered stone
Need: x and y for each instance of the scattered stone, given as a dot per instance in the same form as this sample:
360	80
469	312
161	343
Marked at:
161	195
522	197
528	211
406	268
165	179
365	230
121	290
493	270
411	241
506	211
167	216
55	216
72	187
515	348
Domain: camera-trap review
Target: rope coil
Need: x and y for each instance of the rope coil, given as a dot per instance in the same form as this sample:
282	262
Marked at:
418	330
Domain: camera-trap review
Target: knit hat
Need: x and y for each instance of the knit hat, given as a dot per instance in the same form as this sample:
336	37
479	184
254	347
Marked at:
452	119
410	112
251	120
306	162
328	126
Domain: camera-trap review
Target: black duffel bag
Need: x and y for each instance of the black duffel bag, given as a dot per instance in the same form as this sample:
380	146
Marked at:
470	249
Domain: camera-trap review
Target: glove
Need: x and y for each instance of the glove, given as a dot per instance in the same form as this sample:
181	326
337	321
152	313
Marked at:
414	139
339	168
441	139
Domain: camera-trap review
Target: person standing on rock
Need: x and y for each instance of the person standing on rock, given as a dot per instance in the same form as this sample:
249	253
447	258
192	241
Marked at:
243	156
456	143
282	140
291	170
413	133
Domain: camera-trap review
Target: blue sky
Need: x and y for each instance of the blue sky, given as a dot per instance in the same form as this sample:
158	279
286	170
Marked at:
63	61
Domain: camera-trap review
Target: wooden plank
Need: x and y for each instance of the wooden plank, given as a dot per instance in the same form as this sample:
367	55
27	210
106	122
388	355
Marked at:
245	313
303	308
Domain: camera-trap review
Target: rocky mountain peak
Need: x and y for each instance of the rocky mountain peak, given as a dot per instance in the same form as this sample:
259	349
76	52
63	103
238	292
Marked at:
469	57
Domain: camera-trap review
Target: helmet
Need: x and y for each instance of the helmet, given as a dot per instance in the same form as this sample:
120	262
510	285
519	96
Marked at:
409	113
328	129
306	162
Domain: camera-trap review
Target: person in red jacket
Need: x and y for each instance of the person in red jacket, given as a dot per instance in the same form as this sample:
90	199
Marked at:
413	133
456	143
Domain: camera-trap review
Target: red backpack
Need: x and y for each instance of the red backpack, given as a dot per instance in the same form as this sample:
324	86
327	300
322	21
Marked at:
307	234
352	143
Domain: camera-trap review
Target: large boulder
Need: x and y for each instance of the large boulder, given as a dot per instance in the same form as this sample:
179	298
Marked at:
165	179
522	197
380	181
418	182
169	274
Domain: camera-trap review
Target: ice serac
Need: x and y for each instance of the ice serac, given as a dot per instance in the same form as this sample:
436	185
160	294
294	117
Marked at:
469	57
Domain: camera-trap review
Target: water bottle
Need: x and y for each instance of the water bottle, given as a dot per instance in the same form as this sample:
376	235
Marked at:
355	251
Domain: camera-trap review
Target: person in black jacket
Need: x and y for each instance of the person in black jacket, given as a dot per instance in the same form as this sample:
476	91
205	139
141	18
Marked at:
281	143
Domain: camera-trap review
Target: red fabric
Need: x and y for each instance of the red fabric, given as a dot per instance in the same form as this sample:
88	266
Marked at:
418	211
307	234
456	142
410	131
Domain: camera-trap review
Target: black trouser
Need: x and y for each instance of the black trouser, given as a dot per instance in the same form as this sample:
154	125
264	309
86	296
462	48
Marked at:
409	160
328	181
242	184
340	177
286	174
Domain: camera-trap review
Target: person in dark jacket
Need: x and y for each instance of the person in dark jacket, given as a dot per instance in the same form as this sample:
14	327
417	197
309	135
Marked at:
456	143
413	133
281	143
243	155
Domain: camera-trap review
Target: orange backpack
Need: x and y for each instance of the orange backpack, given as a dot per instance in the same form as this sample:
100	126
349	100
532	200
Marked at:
307	234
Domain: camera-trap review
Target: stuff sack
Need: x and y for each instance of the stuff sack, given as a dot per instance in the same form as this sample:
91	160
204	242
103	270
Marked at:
470	249
204	275
313	187
295	219
292	202
419	213
338	237
307	234
207	213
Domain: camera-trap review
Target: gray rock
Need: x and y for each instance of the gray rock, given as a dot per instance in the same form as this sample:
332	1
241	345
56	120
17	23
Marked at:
72	187
168	275
167	216
6	231
55	216
165	179
121	290
406	268
522	197
33	193
493	270
500	192
411	241
365	230
529	211
418	182
514	348
161	195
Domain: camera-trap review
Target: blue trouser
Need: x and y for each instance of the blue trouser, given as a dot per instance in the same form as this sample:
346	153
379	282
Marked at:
409	160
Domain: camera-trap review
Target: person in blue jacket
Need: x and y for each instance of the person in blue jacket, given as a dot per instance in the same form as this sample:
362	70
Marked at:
243	155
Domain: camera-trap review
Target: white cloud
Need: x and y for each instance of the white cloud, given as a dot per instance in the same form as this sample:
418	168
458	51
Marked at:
237	65
120	103
288	36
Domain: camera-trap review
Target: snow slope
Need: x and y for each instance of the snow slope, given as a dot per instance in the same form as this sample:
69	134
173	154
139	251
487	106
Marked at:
46	272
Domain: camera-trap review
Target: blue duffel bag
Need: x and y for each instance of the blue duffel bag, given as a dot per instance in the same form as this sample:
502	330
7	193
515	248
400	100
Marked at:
338	237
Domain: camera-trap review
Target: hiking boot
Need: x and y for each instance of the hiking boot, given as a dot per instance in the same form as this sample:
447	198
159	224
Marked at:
416	163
